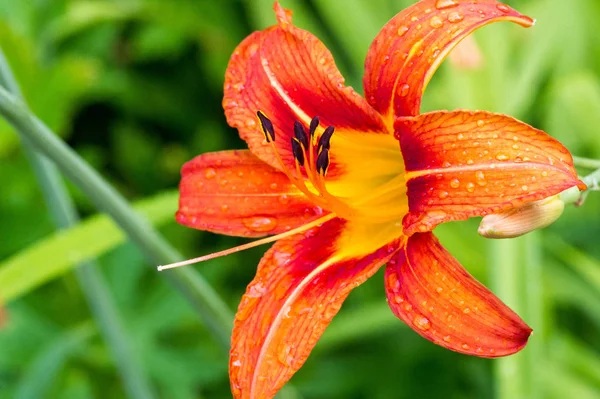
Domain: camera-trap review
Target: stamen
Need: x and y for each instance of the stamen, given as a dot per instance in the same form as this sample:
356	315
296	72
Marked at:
267	126
323	162
314	123
249	245
300	133
324	140
297	151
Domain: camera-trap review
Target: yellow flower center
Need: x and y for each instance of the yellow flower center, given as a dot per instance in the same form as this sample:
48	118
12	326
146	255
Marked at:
368	189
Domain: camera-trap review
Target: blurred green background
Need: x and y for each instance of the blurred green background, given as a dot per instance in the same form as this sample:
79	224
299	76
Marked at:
135	87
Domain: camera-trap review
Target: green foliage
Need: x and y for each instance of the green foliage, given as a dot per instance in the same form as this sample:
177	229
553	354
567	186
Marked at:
135	88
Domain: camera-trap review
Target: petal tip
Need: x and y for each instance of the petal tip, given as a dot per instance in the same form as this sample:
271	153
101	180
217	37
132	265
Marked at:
284	16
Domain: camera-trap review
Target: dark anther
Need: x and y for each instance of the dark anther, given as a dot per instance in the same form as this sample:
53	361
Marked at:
324	139
323	161
297	151
314	123
267	126
300	134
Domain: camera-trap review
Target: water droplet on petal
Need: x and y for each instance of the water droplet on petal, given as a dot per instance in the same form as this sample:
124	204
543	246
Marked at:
402	30
436	22
460	136
210	173
501	157
544	173
466	310
443	194
447	338
454	183
261	224
524	188
251	50
284	199
470	187
237	363
441	4
454	17
480	123
480	176
422	322
224	208
465	346
404	90
503	7
408	307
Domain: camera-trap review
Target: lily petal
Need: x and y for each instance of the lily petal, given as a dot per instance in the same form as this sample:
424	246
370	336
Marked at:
235	193
300	285
431	292
289	75
462	164
412	45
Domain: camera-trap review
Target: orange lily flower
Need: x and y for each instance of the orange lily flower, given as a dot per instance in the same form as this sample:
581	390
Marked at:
346	184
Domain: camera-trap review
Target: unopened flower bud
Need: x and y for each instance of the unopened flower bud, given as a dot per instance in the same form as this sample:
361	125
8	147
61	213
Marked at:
518	221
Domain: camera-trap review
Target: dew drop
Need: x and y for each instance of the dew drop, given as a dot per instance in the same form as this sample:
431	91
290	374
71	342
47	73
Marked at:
237	363
413	19
436	22
460	136
447	338
466	310
261	224
465	346
454	17
408	307
322	61
470	162
398	299
454	183
503	7
224	208
402	30
422	322
480	178
284	199
443	194
480	123
439	289
501	157
544	173
442	4
515	146
239	87
524	188
210	173
470	187
251	50
404	90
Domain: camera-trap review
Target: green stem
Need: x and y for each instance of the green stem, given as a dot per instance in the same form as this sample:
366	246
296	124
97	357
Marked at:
65	215
505	267
586	163
533	297
197	291
593	181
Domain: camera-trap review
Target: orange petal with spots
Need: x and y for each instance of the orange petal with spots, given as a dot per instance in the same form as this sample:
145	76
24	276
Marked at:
431	292
411	46
235	193
289	75
299	286
462	164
